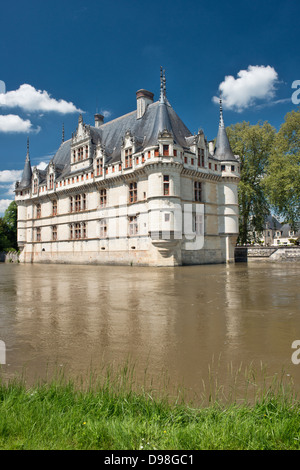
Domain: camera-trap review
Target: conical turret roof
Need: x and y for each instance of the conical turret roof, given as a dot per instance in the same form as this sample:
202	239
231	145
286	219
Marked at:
223	150
27	172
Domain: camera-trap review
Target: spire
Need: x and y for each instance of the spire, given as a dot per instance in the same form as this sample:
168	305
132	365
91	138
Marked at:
221	124
223	150
162	86
27	173
63	133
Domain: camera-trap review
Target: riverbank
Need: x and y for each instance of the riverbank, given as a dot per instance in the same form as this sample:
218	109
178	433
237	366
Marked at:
267	253
58	415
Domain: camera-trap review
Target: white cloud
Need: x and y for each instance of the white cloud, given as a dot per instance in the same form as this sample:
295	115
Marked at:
10	176
31	100
42	165
256	83
105	113
4	203
13	123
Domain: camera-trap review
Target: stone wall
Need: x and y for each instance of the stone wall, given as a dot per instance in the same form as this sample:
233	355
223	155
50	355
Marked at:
11	257
272	253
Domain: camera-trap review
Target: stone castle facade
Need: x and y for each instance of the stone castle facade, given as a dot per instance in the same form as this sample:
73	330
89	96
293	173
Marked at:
137	190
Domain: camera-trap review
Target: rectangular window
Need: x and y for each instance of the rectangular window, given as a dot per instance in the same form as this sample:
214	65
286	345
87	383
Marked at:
128	158
201	161
38	211
84	202
103	197
54	207
35	185
232	167
156	153
133	192
38	234
175	153
197	191
103	228
133	226
185	160
83	230
222	167
165	150
51	181
209	166
71	204
166	188
77	231
77	202
54	232
198	224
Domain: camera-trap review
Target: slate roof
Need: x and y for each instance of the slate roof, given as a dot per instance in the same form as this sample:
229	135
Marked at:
158	117
223	150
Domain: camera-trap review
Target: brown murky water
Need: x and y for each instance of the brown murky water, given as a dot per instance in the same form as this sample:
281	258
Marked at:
178	321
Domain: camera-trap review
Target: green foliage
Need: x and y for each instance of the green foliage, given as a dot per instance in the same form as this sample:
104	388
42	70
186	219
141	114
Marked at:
60	415
8	229
282	183
253	144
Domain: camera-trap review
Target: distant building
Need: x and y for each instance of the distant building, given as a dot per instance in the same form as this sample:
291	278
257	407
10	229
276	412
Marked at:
276	233
140	189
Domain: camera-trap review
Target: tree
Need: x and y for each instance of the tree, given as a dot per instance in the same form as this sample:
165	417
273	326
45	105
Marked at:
282	183
8	228
253	143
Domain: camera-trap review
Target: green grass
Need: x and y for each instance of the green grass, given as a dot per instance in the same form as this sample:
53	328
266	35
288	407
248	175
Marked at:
113	414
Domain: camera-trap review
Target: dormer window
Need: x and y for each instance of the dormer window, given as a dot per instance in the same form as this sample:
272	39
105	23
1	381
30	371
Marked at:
128	158
201	157
165	150
51	181
99	167
35	185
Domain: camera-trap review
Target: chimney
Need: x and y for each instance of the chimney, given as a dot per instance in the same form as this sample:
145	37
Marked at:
143	99
99	120
211	147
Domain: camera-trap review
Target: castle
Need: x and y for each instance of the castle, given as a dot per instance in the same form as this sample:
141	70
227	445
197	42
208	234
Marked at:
137	190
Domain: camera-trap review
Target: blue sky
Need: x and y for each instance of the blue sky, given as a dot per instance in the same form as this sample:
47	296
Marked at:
61	57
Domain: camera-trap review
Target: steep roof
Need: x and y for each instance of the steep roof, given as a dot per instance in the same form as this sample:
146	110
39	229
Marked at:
223	150
27	172
158	117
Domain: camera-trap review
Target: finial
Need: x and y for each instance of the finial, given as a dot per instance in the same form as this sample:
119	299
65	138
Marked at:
161	85
27	155
221	112
164	82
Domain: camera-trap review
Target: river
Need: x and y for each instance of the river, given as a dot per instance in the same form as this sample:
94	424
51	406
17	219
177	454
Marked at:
193	325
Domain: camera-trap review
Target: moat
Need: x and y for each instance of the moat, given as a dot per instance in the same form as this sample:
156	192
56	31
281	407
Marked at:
181	321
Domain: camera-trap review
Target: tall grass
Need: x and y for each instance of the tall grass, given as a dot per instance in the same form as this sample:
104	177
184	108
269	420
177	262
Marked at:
111	411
